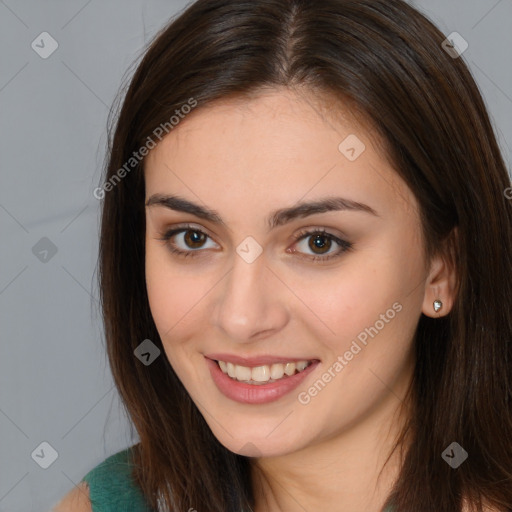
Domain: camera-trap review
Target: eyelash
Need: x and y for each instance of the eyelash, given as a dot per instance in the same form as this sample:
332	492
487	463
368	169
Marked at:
344	245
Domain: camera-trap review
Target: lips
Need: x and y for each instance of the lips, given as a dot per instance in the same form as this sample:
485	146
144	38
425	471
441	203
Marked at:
256	393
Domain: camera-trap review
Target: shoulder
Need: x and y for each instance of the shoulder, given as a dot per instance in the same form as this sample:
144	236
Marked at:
115	467
75	501
108	486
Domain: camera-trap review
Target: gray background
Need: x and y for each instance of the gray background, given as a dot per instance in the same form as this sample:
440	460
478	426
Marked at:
55	385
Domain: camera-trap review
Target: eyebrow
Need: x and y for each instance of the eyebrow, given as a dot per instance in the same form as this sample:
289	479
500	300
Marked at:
276	218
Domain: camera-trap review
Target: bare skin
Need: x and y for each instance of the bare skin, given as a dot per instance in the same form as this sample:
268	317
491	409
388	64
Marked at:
244	160
76	500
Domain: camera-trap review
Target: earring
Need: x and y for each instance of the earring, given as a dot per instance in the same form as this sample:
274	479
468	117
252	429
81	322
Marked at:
437	305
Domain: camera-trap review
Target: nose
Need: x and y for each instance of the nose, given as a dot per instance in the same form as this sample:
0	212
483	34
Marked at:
252	302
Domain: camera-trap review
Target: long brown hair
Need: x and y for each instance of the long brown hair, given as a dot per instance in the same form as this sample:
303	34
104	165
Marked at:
386	59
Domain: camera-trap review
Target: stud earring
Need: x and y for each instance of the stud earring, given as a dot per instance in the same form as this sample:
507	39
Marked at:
437	305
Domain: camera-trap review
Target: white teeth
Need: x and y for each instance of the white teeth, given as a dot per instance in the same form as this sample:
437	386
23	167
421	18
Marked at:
259	374
289	369
301	365
242	372
276	371
262	374
231	370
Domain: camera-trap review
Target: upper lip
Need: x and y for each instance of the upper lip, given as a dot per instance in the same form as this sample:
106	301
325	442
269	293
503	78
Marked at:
256	360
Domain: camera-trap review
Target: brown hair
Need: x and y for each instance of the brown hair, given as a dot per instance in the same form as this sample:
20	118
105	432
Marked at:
386	59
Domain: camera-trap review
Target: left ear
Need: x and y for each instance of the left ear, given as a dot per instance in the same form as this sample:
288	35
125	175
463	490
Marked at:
442	279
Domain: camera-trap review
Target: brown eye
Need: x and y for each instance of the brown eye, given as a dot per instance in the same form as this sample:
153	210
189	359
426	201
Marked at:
194	239
320	242
187	241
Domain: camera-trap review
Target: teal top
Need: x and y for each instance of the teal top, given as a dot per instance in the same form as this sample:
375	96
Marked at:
113	489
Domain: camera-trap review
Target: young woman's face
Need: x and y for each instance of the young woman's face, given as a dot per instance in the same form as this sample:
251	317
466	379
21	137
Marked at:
260	288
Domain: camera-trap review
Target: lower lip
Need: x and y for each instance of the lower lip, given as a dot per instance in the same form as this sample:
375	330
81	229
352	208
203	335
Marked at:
256	393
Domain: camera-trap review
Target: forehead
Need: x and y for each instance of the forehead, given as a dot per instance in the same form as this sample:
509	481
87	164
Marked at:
277	143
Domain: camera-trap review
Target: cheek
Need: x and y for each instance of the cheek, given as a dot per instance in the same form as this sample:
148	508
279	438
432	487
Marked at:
172	291
343	301
377	293
174	297
159	285
179	297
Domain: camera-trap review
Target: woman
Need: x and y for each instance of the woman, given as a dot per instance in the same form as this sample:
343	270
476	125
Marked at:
305	268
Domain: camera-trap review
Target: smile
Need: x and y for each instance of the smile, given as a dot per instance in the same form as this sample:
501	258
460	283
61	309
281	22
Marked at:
259	384
264	374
